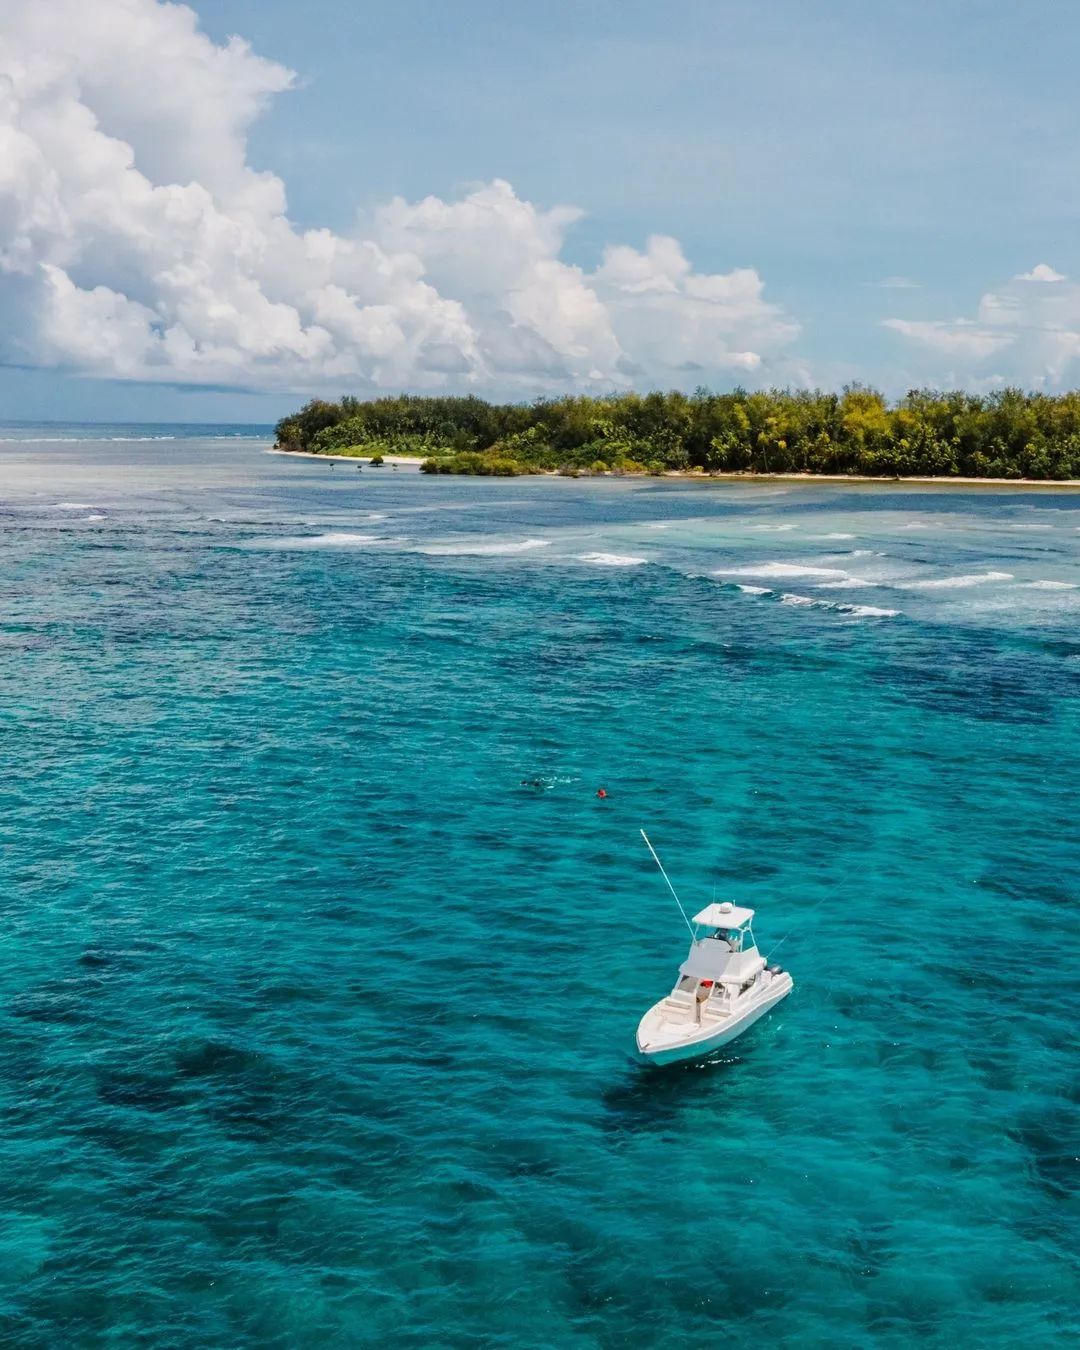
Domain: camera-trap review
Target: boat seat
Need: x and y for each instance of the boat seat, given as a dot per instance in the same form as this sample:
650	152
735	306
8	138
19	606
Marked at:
686	996
680	1001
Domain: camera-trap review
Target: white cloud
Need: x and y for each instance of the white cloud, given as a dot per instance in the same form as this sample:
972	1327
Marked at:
666	313
1040	272
960	338
1025	334
137	242
897	284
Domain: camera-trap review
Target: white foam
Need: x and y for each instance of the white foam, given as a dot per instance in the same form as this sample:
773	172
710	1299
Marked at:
657	525
868	611
1014	526
477	550
334	539
72	506
93	517
837	534
831	606
781	569
847	584
1050	585
852	611
612	559
773	529
959	583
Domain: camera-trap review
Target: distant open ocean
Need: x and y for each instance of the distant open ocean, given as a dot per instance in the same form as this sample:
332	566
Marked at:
316	1026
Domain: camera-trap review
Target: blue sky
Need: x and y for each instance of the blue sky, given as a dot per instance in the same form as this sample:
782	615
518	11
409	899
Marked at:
825	147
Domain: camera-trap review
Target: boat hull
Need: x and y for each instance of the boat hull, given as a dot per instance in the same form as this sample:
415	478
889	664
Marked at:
661	1043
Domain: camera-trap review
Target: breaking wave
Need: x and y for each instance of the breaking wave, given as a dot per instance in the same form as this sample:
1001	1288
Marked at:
612	559
815	602
477	550
780	569
333	539
855	611
959	583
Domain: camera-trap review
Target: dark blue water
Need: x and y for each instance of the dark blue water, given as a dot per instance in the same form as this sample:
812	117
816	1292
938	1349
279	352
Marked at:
316	1025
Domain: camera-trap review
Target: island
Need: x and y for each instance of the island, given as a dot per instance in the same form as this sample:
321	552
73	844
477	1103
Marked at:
1008	434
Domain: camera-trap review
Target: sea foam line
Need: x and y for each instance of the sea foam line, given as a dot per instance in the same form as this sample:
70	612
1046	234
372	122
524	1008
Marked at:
854	611
612	559
466	550
781	569
333	539
960	582
814	602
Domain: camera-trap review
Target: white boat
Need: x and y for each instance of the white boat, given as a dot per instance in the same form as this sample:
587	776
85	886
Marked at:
724	986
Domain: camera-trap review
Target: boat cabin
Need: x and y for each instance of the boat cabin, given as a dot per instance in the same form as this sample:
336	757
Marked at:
723	963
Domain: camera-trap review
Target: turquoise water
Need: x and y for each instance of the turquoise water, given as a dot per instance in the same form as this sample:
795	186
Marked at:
317	1024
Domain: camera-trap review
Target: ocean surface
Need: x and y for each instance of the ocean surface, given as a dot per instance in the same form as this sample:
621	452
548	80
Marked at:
317	1025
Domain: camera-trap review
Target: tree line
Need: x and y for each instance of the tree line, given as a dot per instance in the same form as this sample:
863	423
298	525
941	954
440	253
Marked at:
1009	433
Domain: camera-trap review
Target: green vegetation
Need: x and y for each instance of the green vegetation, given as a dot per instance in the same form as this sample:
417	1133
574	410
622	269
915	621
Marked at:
473	461
1006	434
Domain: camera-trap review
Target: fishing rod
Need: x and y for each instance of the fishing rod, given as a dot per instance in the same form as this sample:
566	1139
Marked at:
779	944
670	887
776	946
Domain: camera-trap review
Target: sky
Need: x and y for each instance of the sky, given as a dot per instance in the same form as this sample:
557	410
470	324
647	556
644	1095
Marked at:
217	211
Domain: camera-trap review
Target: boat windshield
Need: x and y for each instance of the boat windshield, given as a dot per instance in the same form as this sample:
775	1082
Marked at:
734	937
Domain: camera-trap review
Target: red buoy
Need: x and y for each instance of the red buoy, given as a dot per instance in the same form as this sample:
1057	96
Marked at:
601	794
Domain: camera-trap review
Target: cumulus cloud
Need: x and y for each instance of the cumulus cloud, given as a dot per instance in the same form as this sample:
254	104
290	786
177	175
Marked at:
1040	272
1026	333
666	312
137	242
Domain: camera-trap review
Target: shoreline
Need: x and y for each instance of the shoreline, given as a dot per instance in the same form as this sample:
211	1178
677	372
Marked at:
728	477
347	459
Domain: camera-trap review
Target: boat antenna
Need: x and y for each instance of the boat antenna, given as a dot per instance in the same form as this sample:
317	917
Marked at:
670	887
